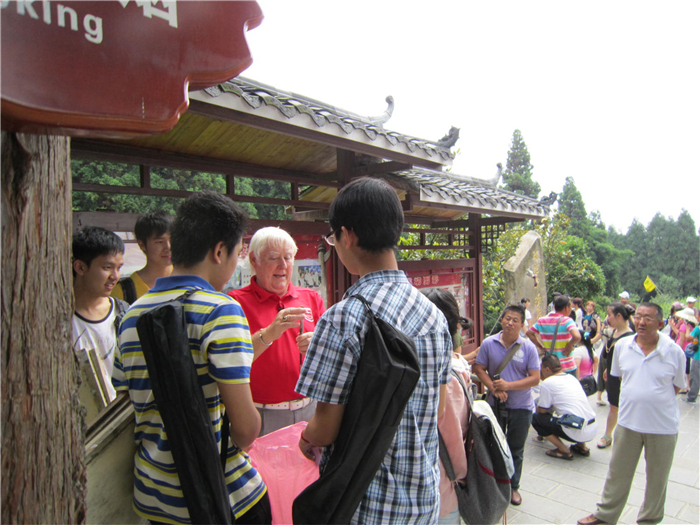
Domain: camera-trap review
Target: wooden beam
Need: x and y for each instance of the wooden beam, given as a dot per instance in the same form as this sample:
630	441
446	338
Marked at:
310	215
124	222
465	247
145	173
346	166
159	192
118	152
385	167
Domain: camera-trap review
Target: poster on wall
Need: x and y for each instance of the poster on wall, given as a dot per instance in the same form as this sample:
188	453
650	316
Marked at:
452	283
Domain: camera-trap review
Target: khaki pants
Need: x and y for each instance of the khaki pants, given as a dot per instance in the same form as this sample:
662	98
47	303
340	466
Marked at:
627	448
275	419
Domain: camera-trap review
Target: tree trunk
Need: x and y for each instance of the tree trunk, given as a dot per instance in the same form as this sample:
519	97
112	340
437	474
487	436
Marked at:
43	452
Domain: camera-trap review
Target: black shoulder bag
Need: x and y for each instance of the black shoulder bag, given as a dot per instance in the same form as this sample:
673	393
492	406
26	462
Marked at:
387	374
163	335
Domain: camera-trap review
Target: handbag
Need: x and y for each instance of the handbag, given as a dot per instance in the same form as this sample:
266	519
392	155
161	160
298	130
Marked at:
589	385
485	495
691	350
571	421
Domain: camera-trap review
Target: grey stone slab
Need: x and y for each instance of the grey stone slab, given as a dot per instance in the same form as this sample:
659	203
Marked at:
537	485
592	468
527	519
683	493
579	499
685	475
571	478
673	507
689	513
540	509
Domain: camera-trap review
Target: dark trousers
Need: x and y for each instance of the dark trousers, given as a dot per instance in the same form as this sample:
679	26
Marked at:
517	427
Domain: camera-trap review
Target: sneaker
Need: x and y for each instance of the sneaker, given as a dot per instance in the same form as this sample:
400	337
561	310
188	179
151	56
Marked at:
693	402
600	403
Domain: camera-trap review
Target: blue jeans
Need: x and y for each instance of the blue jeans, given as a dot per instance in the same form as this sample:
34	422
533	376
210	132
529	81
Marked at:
516	431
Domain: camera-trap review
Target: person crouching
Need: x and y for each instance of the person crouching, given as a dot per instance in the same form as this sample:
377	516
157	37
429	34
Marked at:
561	400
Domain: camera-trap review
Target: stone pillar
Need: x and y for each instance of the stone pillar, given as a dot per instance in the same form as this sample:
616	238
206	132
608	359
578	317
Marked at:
525	276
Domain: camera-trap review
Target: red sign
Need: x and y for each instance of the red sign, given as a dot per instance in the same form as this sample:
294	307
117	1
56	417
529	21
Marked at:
116	68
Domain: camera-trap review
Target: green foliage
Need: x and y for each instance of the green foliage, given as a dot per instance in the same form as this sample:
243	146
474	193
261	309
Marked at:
666	250
517	176
116	174
568	265
591	230
413	239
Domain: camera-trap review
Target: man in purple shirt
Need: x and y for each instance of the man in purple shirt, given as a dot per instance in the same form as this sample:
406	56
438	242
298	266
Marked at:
513	385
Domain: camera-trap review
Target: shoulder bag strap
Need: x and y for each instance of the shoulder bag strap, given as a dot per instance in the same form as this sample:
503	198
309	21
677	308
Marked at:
445	458
554	337
507	358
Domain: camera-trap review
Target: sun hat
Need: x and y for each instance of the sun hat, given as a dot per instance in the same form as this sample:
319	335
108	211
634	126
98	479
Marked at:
677	305
691	299
625	295
687	314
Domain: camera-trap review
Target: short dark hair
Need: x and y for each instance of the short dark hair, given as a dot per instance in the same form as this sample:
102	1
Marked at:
659	310
152	224
92	241
202	221
447	304
524	300
370	208
561	302
516	308
551	361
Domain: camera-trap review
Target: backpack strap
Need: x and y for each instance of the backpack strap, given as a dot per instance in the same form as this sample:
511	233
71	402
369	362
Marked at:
554	337
121	307
128	289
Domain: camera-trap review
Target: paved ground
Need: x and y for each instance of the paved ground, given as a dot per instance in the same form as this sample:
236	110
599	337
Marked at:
558	491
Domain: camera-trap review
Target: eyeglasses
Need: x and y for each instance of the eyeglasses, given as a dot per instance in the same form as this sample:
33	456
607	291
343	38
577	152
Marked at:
330	238
645	318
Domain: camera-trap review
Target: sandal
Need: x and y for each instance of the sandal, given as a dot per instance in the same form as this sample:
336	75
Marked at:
538	439
601	403
556	453
589	520
579	450
605	442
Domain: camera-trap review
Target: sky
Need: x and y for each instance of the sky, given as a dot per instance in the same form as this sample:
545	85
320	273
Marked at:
604	92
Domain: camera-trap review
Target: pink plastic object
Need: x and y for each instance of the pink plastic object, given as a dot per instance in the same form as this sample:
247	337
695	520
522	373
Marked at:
284	469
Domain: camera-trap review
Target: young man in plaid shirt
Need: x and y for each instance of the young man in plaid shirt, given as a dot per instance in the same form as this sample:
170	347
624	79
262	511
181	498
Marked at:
366	219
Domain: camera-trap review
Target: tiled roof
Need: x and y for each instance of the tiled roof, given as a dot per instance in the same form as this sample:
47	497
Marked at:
476	194
291	105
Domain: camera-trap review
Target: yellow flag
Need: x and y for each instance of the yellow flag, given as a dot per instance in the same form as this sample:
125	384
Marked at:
649	284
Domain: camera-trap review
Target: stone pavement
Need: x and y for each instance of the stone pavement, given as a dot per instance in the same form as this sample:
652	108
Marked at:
559	491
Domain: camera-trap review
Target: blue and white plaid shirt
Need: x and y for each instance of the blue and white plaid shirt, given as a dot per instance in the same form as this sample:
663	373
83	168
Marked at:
405	488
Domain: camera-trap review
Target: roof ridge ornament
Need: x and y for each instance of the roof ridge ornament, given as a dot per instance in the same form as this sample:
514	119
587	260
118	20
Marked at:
450	139
384	117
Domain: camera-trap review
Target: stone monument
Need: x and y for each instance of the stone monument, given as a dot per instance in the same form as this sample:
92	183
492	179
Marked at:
525	275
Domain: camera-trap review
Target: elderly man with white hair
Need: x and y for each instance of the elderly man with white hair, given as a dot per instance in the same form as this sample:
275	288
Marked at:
282	318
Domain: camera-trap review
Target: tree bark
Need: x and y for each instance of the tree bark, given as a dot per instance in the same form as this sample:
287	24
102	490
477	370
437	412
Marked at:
43	452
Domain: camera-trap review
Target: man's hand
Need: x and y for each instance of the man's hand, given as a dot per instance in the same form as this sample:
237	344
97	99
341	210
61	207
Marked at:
605	375
501	385
309	450
303	341
501	395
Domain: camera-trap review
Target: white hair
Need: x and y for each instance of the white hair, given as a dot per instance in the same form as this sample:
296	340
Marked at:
273	238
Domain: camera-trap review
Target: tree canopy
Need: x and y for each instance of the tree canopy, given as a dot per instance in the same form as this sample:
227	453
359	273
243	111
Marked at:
517	176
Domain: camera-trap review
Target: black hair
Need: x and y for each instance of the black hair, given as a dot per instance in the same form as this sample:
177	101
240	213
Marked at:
551	361
466	322
370	208
524	300
91	242
152	224
202	221
447	304
659	310
625	310
561	302
517	308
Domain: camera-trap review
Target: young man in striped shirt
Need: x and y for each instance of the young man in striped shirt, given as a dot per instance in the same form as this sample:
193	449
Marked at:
557	326
206	240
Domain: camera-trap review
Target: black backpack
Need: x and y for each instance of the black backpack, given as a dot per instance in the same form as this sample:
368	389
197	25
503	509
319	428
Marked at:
128	289
200	466
387	374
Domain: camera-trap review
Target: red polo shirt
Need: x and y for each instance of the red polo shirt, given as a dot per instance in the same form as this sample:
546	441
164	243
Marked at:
274	374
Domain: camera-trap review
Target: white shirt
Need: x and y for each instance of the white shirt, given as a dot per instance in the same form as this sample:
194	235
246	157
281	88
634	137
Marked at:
100	337
647	397
563	393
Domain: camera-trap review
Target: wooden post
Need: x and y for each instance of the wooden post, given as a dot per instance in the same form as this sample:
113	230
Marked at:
43	451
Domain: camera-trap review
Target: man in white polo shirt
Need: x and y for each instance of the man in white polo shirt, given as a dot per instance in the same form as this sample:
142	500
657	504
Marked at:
652	369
